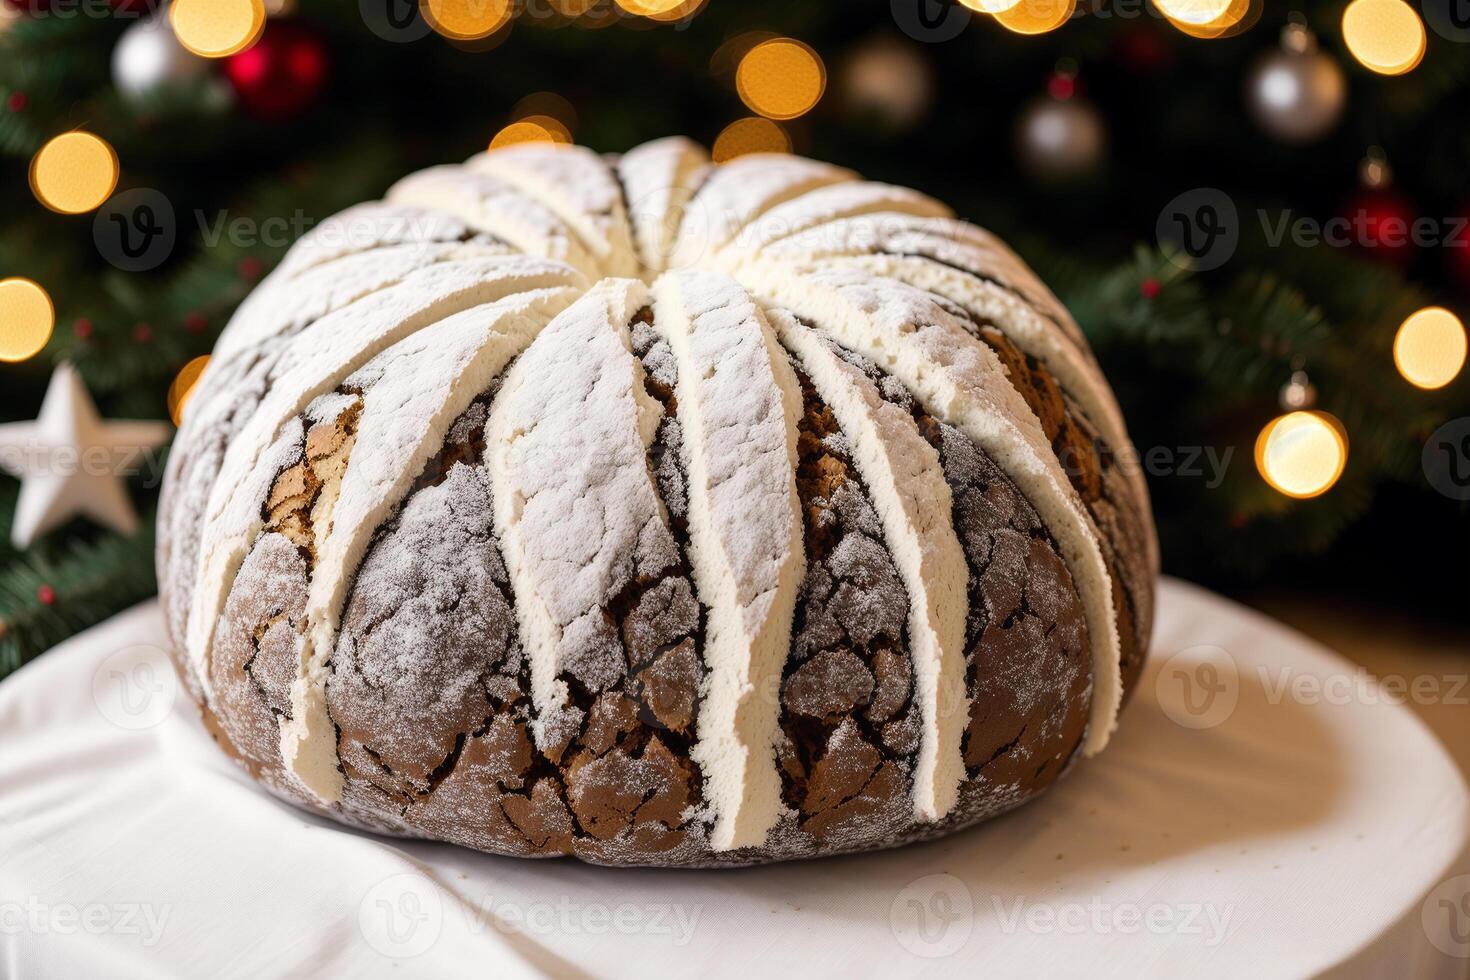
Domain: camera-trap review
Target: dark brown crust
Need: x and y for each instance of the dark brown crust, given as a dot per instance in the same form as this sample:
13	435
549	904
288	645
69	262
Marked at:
615	784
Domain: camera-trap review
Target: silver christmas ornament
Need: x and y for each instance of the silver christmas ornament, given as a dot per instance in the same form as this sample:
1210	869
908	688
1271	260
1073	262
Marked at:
888	80
1297	94
1298	393
148	58
1061	140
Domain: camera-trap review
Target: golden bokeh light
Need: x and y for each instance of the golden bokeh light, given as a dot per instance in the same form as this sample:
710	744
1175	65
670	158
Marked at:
1196	12
466	20
1234	17
989	6
554	127
26	319
1302	454
1429	349
217	28
183	387
660	10
749	135
1036	16
74	172
1386	36
781	78
528	131
546	104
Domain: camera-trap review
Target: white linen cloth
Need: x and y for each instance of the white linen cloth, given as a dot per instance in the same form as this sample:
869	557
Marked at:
1263	811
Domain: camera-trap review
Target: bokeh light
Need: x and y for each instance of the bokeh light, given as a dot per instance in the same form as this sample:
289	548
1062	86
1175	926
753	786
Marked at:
1386	36
74	172
1429	349
989	6
27	318
661	10
528	131
1196	12
217	28
750	135
1036	16
183	387
781	78
1301	454
1233	17
466	20
546	104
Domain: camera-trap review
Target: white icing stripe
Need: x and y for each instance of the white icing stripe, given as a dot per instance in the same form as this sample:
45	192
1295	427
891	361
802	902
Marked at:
365	227
906	480
947	240
412	393
737	193
490	204
328	286
804	223
1076	373
577	186
958	379
576	509
738	405
312	364
658	179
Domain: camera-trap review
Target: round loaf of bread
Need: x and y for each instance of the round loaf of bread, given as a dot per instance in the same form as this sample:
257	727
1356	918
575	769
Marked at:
655	512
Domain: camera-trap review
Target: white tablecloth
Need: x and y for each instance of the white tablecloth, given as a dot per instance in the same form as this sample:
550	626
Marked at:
1262	812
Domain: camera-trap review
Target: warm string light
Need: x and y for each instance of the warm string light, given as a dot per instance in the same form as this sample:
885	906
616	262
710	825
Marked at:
752	134
1036	16
663	11
530	130
27	318
1209	19
1429	348
217	28
74	172
1385	36
1302	454
183	387
466	20
989	6
781	78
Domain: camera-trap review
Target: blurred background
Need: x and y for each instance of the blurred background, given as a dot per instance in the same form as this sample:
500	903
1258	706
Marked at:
1257	211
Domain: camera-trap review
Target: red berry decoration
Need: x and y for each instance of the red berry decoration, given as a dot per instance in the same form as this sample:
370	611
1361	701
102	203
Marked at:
282	75
46	595
251	268
82	328
1149	288
1380	222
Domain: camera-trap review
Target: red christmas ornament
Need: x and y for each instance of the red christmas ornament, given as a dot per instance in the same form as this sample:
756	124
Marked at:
1380	222
47	595
1149	288
1457	248
282	75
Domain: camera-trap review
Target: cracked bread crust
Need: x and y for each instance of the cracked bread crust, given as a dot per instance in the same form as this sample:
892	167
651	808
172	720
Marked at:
425	673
